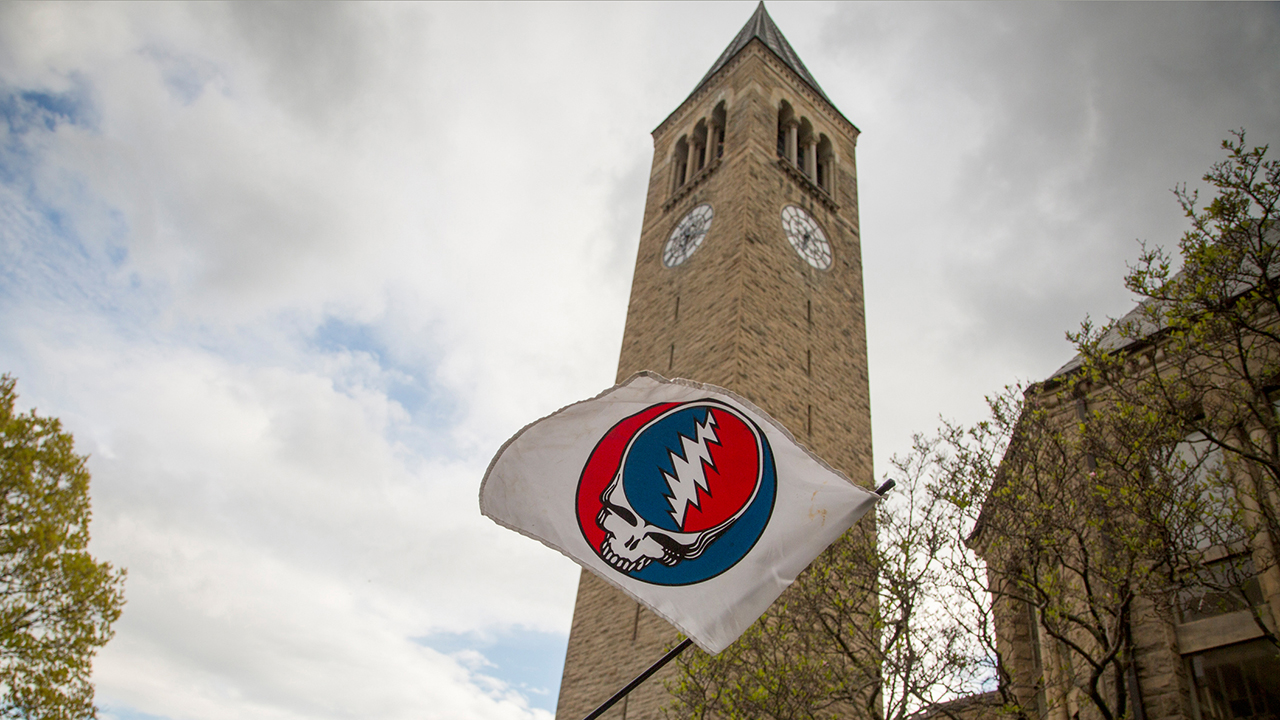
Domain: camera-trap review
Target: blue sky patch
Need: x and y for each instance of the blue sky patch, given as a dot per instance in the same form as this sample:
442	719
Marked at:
336	335
27	110
111	712
409	384
185	75
529	661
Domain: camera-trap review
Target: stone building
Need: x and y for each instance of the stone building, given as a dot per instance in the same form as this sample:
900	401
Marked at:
748	276
1186	650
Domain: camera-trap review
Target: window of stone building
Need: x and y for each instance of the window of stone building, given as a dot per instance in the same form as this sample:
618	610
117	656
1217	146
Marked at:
806	143
826	158
787	128
700	158
1229	585
1206	524
680	163
1237	681
718	123
1209	503
1037	658
699	149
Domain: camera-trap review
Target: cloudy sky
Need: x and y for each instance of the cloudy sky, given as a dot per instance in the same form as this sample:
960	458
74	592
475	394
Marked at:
292	273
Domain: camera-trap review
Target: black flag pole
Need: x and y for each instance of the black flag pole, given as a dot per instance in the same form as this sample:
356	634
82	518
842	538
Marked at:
639	679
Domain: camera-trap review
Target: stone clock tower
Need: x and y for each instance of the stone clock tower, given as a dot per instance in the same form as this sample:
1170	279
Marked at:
749	276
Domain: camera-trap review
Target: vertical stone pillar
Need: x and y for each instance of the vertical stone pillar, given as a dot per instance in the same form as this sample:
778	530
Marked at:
811	161
793	136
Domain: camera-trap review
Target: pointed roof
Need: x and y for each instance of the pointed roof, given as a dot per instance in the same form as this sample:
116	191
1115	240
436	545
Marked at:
761	26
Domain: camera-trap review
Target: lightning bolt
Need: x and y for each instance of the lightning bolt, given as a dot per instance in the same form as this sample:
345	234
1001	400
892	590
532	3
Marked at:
689	475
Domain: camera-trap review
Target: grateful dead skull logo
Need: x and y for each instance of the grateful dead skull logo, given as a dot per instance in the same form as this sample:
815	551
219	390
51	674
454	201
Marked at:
678	492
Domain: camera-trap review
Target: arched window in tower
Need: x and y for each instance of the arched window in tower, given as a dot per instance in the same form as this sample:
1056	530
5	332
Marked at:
787	128
699	158
808	149
679	163
826	165
718	118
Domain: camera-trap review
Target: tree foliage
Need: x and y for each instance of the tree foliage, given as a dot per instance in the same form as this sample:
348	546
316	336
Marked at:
1200	387
860	633
1064	545
57	603
1136	489
1139	487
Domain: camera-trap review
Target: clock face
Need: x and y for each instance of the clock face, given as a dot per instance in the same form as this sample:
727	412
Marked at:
687	235
806	237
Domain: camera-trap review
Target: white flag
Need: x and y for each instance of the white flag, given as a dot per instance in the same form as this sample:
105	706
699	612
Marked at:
685	496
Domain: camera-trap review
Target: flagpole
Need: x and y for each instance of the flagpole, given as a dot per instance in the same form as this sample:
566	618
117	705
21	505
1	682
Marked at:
639	679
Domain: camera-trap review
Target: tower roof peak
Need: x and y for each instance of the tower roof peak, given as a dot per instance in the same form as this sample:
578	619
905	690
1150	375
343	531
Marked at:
762	26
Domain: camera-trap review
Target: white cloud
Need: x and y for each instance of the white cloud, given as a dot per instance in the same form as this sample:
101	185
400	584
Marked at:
291	273
279	547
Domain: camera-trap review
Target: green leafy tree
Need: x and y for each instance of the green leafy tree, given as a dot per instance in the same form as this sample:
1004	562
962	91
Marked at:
57	603
861	633
1077	514
1195	373
1064	546
1140	486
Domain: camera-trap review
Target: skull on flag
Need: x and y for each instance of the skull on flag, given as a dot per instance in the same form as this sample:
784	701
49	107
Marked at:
688	474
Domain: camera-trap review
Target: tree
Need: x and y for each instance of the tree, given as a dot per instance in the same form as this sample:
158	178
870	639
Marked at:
1032	550
861	632
1142	483
57	603
1199	371
1063	544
